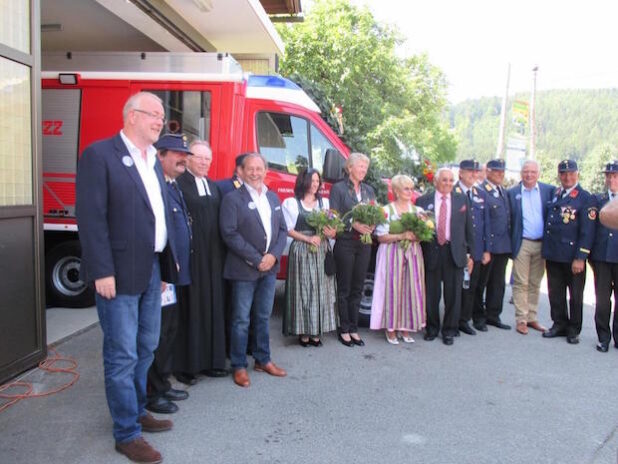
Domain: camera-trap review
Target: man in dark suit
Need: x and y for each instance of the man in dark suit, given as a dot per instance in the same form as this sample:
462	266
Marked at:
499	245
477	202
528	201
172	153
604	258
446	255
254	229
567	241
125	233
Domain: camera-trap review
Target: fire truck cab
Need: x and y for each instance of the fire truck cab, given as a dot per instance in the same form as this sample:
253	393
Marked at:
205	95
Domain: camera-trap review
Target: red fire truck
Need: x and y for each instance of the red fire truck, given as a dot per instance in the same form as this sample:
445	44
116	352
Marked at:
205	95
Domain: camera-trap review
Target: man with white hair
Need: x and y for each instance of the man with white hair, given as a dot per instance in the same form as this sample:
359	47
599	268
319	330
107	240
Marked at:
528	201
446	255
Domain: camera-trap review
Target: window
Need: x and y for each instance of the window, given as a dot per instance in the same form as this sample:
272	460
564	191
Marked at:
15	134
187	112
283	140
319	145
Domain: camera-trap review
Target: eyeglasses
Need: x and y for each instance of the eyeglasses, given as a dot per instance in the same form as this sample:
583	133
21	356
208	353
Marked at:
152	115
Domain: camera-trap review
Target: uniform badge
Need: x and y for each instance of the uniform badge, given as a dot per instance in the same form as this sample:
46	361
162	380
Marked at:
573	193
567	213
127	161
592	214
496	194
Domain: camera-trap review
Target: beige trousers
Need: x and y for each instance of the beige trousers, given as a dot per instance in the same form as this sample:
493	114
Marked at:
528	270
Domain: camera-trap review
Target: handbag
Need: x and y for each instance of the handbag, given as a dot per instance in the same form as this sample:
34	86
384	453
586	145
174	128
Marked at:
330	268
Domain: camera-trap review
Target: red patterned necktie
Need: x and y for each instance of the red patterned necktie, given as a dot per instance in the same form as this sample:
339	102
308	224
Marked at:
442	222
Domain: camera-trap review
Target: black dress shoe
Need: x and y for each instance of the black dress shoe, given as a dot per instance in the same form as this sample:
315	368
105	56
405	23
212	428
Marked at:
344	342
357	341
553	333
572	339
480	326
498	324
175	395
187	379
429	337
447	339
161	405
603	347
313	342
216	372
465	328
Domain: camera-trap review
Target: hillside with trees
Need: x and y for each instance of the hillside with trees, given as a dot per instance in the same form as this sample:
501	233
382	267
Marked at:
577	124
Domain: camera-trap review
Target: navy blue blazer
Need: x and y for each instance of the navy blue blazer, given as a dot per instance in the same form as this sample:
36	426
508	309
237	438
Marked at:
182	232
462	240
499	240
116	223
569	226
480	219
228	185
243	233
605	246
517	221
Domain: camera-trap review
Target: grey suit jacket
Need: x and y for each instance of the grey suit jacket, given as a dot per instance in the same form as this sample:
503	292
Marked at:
243	233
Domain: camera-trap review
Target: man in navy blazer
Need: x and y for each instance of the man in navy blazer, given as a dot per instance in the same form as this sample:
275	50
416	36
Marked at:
604	259
528	202
445	257
253	227
127	249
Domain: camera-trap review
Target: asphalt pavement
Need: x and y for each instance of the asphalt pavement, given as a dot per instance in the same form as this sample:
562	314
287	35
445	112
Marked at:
497	397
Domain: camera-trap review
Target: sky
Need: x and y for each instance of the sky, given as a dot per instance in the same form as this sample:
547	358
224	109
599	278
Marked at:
573	43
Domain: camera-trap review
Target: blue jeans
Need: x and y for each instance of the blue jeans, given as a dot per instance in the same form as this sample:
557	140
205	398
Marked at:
131	326
252	300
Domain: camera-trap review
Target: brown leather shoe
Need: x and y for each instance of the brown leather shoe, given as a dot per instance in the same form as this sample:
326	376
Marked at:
139	450
241	378
152	425
536	326
270	368
522	328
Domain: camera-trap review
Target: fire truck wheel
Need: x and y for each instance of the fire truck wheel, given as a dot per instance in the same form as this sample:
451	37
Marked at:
64	287
364	313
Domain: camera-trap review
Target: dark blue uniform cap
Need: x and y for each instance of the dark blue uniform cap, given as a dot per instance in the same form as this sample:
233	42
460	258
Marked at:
567	166
496	164
173	142
612	166
469	165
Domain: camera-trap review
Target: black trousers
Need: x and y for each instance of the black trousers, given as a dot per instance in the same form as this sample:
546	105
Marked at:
452	277
469	294
479	314
352	258
161	368
559	278
605	282
494	296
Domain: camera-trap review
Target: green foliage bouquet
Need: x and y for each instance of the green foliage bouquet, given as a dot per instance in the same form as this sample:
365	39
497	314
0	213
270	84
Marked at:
370	214
421	224
319	219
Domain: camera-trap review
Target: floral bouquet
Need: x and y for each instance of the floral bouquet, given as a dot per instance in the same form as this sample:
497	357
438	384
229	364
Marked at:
370	214
421	224
319	219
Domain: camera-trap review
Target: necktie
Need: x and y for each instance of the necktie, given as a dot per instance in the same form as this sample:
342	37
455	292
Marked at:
469	192
442	222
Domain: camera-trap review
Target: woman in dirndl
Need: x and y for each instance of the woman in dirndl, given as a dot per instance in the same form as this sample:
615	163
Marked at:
398	305
309	293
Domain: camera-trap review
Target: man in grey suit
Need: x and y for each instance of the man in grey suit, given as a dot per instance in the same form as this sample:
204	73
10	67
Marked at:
446	255
253	228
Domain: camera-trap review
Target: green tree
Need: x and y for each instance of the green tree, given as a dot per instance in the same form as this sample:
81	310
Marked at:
590	170
391	105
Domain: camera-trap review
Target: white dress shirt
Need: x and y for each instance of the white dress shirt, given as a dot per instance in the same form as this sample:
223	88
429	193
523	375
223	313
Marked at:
147	173
260	201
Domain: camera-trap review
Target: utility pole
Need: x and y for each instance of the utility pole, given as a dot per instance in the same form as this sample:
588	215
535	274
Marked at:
500	147
532	116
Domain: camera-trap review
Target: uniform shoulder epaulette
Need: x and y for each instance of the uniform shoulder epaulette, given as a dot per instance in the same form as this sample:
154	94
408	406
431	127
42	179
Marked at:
488	187
458	189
